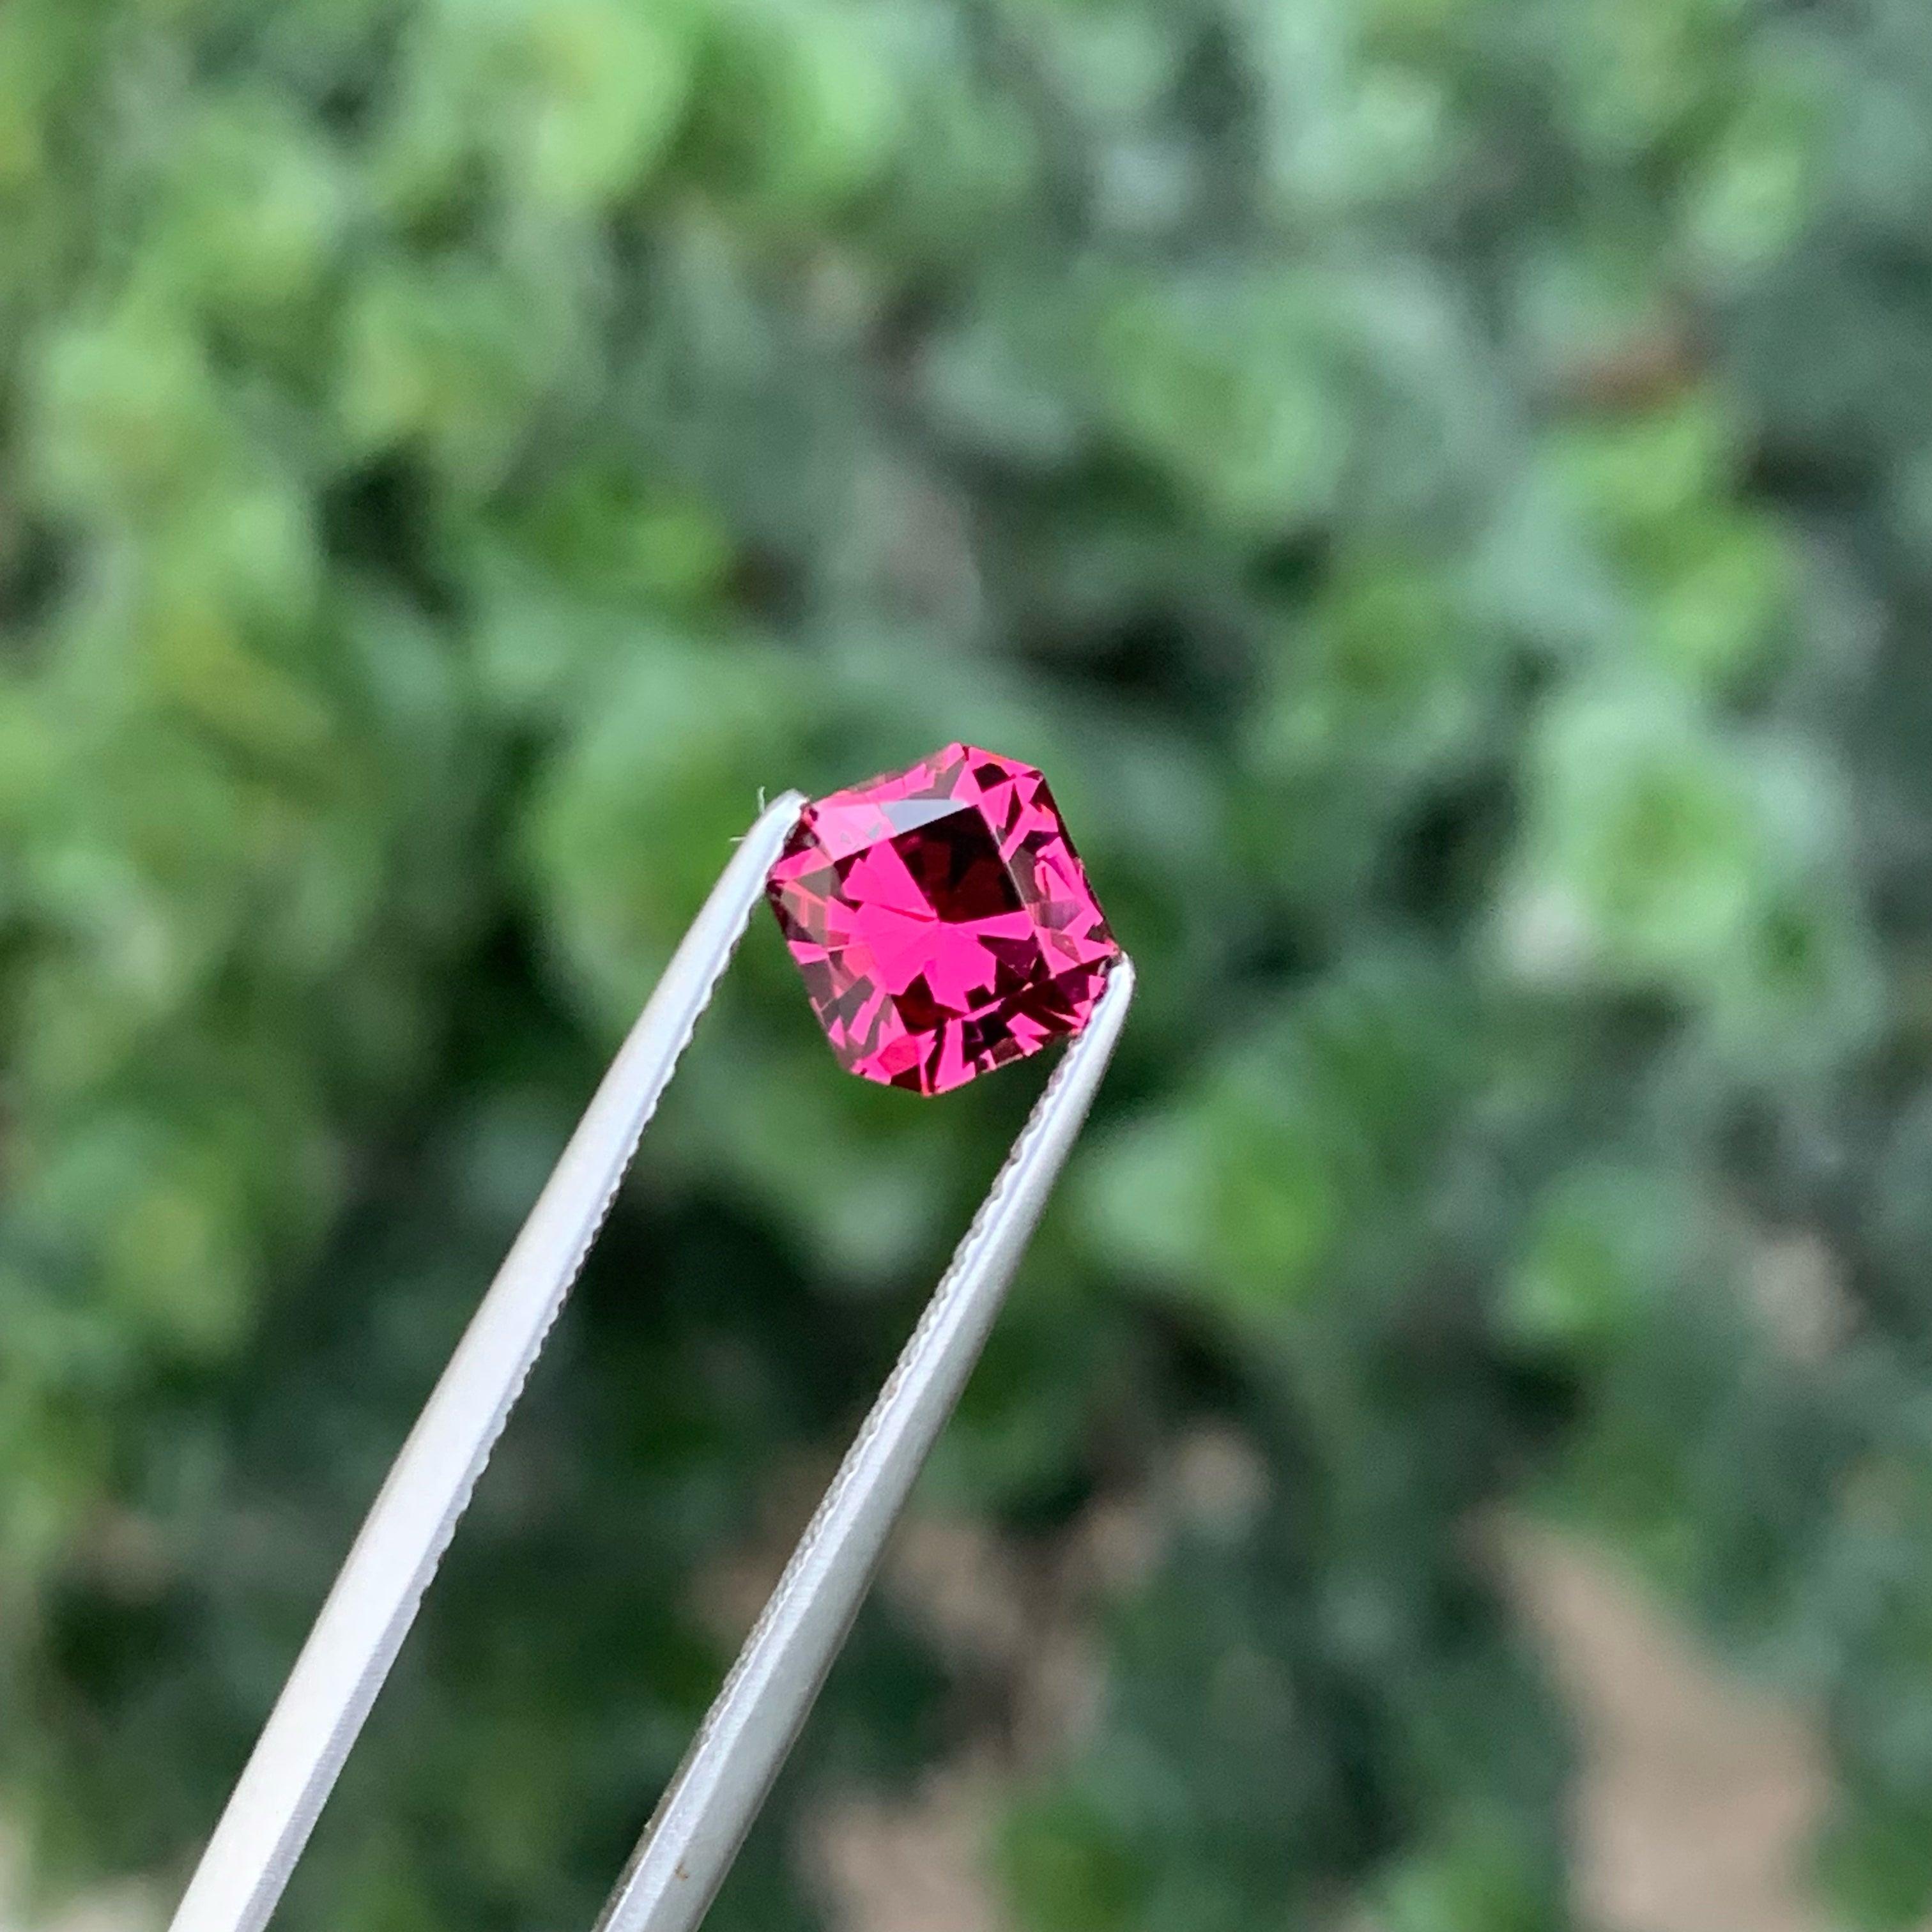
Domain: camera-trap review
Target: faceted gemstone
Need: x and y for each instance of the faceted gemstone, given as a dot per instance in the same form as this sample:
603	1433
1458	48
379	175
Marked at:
942	919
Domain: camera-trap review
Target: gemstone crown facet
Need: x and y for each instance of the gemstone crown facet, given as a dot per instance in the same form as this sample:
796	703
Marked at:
942	919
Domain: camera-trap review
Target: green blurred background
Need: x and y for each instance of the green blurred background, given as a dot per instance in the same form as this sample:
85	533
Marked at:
1445	489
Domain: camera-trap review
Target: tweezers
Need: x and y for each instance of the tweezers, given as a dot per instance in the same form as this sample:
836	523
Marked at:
693	1836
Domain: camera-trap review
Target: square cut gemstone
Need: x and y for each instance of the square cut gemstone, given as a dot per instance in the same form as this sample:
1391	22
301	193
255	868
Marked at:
942	919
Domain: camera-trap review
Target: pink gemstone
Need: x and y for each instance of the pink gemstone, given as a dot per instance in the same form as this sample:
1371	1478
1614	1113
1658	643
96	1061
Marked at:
942	919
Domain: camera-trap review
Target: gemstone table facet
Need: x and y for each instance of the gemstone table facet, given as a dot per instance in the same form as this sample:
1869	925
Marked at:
942	920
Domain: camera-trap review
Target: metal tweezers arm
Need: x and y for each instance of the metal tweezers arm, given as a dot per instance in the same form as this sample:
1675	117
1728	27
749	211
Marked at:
703	1816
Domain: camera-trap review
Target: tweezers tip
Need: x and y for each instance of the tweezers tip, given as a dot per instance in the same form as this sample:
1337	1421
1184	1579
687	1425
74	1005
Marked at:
783	809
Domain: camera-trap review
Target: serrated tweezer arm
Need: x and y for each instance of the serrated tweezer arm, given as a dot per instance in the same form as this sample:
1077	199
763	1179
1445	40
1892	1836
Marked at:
703	1816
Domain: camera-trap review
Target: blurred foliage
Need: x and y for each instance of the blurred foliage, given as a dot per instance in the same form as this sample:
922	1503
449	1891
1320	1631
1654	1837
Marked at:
1444	487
